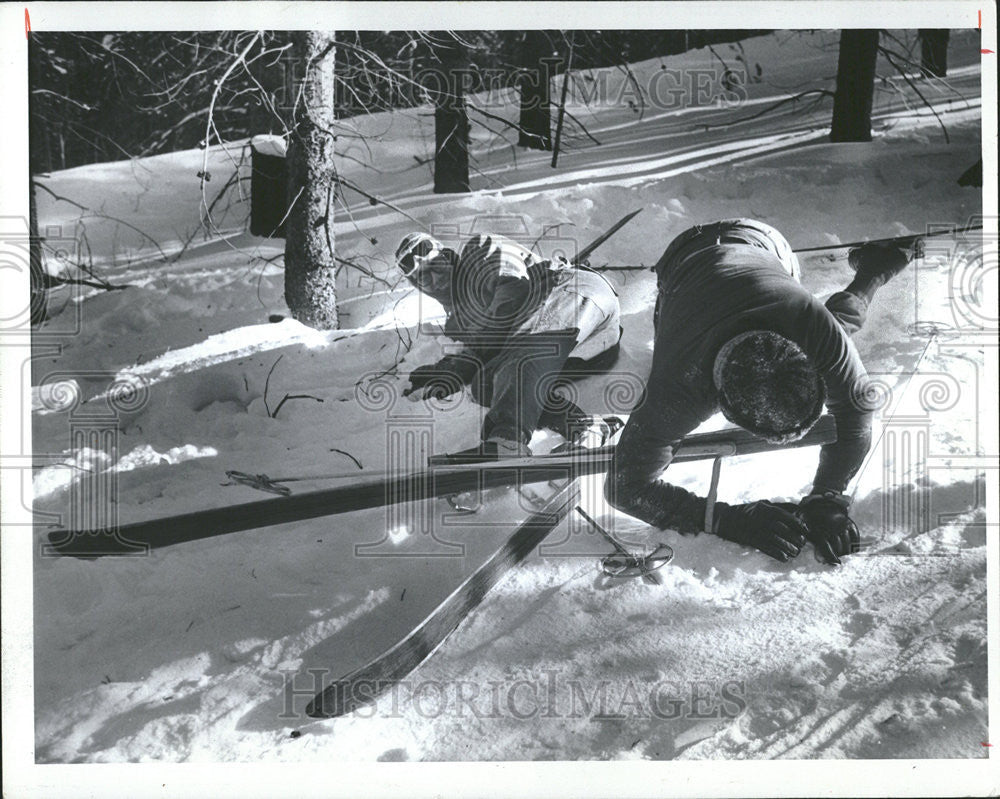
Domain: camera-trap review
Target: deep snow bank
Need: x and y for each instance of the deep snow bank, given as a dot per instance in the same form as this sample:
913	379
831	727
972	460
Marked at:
188	654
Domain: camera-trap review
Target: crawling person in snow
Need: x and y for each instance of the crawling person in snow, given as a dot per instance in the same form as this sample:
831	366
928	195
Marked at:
736	332
526	324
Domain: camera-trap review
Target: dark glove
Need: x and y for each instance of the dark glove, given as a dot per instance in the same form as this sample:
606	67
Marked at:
831	530
442	379
762	525
884	259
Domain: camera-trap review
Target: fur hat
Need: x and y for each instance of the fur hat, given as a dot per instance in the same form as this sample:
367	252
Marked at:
768	385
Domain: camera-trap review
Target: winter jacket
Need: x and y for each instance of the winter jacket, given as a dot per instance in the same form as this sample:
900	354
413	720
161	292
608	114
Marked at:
499	290
708	296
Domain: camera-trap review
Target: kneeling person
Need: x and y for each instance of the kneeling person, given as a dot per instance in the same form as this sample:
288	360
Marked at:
526	325
736	332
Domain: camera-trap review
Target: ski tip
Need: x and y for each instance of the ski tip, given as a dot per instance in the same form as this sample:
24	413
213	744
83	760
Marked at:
341	698
90	544
324	705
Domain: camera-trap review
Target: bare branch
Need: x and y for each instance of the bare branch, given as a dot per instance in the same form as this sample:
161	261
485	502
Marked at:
349	455
889	57
64	98
267	383
209	123
794	99
99	215
373	198
582	127
292	397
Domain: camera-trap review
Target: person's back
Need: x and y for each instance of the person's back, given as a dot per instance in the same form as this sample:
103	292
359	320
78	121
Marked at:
736	332
719	292
497	284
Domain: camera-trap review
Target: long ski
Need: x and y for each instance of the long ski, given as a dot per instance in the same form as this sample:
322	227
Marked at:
367	683
420	484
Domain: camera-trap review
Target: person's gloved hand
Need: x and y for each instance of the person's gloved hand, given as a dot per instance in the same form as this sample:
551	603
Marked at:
831	529
885	259
430	382
441	379
763	525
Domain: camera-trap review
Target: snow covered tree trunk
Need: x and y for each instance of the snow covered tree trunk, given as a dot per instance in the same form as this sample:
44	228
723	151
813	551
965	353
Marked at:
852	103
934	52
310	281
535	120
451	123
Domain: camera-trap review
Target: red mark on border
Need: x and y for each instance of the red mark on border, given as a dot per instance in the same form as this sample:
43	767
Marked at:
27	25
984	52
985	744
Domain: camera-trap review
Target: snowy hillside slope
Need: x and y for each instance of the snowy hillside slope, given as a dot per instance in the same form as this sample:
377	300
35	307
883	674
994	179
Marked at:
190	654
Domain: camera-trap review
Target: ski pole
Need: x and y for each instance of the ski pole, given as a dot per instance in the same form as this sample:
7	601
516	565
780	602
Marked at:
891	238
628	559
847	245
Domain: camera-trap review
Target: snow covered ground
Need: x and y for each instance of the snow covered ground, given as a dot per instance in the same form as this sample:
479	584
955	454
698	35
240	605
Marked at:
202	652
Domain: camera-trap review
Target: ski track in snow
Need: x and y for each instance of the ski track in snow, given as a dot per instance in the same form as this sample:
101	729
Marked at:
818	687
189	654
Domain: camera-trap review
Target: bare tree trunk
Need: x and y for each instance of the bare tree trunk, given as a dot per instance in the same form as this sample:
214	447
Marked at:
535	120
934	51
451	124
562	101
310	281
852	103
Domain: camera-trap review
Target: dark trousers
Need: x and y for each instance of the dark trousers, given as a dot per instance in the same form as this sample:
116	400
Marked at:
519	385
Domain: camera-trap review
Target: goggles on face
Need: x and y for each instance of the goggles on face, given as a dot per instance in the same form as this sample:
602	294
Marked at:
415	250
412	262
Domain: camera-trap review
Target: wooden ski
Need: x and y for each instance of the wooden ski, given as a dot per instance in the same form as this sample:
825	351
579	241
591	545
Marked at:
420	484
367	683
